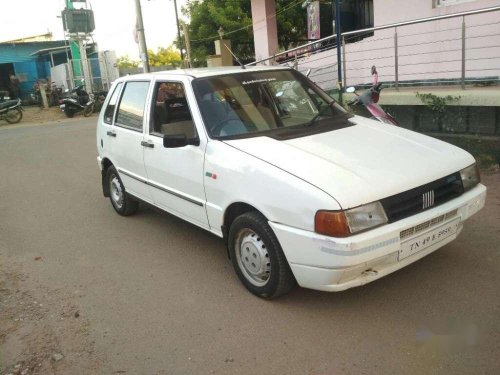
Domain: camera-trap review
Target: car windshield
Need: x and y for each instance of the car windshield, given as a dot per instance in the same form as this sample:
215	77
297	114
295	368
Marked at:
271	102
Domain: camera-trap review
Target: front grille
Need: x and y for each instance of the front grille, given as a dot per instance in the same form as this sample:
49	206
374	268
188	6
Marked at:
427	224
422	198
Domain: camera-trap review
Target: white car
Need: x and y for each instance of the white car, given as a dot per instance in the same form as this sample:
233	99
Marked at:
300	190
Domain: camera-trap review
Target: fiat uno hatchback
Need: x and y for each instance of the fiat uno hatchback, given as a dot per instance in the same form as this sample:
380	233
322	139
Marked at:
301	191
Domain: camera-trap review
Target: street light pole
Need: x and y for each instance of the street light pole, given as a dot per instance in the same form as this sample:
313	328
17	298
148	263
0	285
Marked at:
178	30
143	50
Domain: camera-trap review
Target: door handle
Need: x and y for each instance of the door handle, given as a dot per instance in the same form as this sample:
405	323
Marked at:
147	144
111	133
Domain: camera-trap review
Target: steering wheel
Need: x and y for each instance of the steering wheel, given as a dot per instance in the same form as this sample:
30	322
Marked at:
217	128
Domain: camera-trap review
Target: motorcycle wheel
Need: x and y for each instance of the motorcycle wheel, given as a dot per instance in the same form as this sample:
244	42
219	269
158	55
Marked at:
88	110
14	116
69	113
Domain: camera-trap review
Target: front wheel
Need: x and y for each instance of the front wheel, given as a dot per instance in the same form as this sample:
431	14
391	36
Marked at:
14	116
121	201
257	257
69	113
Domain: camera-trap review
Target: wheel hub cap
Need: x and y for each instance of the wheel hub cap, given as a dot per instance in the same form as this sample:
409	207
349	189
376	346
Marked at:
253	258
116	192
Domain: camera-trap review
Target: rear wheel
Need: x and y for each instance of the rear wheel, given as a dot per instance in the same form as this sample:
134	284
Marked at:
14	116
89	109
257	257
120	200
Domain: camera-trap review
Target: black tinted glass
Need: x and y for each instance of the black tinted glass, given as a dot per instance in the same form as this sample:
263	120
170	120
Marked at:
131	108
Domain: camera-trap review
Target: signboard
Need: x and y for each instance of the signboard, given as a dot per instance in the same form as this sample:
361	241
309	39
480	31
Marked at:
313	29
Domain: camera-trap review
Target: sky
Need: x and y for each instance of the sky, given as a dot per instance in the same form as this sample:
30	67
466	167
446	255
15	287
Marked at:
114	21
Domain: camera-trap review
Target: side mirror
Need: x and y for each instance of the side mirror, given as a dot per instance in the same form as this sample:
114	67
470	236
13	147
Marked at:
350	89
179	140
308	72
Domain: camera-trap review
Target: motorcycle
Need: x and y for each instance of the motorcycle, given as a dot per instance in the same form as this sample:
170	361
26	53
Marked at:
11	111
369	99
78	101
55	95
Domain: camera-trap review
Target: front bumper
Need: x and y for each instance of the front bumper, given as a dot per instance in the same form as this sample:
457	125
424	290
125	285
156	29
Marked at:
334	264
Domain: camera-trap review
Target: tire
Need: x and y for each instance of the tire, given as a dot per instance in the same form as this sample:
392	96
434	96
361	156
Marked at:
69	113
14	116
123	203
257	257
89	109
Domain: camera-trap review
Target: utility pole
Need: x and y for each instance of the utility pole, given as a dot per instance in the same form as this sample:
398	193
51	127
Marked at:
143	50
336	23
188	44
178	30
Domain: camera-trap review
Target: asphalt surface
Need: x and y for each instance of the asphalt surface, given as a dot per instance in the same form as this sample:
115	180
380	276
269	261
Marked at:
161	297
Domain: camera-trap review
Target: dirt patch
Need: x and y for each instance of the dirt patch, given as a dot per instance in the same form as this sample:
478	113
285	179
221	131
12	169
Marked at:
37	115
42	331
41	115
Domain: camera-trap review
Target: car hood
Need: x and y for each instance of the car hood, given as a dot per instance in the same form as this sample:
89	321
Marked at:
361	163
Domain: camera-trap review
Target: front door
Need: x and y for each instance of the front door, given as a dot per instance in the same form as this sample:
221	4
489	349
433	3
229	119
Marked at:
175	174
128	139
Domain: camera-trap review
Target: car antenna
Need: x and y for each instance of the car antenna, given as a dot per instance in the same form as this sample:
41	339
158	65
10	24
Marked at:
221	34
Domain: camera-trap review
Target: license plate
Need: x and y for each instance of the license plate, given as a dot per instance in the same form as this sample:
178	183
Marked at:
427	239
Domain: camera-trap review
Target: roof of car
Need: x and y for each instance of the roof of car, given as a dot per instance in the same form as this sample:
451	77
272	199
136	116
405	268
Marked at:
209	72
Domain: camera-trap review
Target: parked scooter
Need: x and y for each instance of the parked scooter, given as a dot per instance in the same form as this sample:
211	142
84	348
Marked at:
78	101
370	98
11	111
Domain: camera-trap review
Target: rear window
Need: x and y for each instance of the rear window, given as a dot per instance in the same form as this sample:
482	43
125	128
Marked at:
110	109
131	108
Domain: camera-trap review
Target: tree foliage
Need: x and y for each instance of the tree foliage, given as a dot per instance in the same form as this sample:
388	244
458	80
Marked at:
126	62
235	18
164	56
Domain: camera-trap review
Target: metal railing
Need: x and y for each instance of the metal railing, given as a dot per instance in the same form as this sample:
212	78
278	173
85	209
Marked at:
463	53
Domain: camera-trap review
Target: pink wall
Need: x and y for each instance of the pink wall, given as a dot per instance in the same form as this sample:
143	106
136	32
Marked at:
428	51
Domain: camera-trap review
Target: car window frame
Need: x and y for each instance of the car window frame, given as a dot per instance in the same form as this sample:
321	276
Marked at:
156	83
144	115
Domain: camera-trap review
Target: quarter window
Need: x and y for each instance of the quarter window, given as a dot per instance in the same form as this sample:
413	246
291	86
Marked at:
131	108
110	109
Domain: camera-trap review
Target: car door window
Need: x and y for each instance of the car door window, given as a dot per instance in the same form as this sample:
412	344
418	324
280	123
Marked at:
130	112
110	109
171	114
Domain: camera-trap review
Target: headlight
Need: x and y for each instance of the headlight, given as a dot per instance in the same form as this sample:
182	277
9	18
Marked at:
470	177
348	222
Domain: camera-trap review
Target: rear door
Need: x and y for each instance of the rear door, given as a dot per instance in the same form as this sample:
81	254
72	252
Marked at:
128	138
175	174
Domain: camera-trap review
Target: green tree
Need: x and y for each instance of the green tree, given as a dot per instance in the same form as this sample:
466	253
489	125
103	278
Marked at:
126	62
165	56
235	18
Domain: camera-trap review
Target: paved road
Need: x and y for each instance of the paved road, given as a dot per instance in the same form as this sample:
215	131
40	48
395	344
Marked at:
159	295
